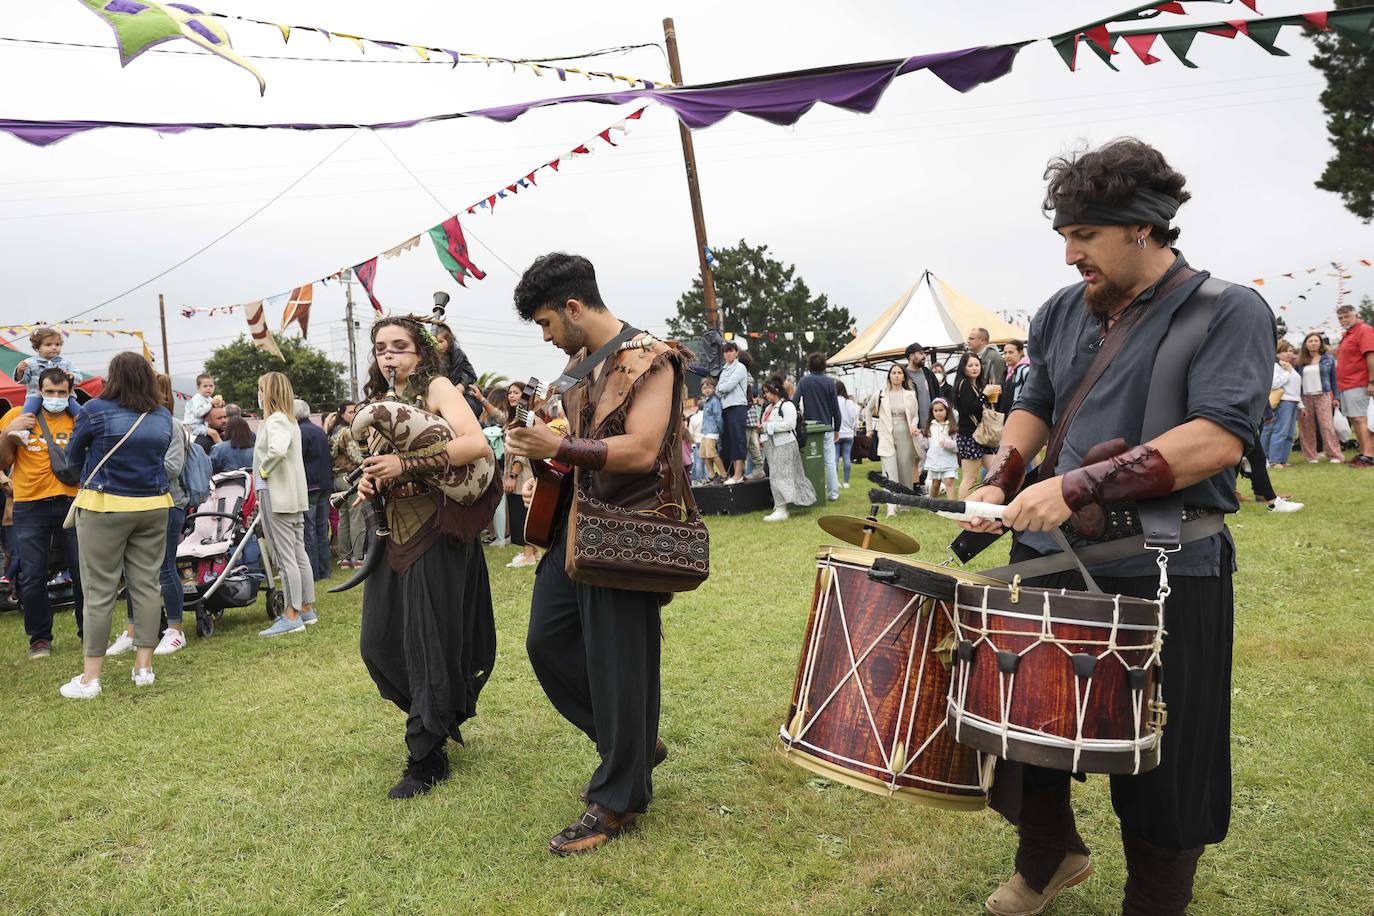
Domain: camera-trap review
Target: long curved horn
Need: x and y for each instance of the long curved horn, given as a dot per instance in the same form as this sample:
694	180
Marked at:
376	551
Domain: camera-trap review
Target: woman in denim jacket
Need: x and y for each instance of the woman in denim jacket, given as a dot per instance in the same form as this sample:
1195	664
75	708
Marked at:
1317	367
121	513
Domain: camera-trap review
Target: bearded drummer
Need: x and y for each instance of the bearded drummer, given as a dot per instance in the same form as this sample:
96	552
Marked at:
1114	207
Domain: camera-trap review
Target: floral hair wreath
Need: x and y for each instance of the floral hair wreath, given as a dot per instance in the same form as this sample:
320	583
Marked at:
417	323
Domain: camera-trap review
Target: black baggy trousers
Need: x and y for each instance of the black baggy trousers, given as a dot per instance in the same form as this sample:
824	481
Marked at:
596	653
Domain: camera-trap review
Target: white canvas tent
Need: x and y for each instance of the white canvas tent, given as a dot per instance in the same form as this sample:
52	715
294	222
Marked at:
931	313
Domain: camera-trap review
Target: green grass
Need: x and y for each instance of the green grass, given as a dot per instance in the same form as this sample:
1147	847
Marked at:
252	776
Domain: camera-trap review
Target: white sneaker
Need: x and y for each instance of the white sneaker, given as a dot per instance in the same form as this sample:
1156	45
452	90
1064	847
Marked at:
1338	461
521	561
144	677
75	690
891	510
172	640
845	485
1284	505
778	515
731	481
123	644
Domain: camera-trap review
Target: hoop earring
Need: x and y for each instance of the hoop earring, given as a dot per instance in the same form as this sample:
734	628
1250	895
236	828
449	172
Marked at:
1140	241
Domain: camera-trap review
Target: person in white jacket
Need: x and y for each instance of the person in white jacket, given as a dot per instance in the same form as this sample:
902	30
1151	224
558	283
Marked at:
895	409
786	476
279	475
942	458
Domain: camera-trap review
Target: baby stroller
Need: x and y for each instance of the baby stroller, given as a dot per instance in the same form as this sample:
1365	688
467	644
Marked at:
215	573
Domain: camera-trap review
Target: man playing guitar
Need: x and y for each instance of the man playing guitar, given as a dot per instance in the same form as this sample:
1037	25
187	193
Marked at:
595	649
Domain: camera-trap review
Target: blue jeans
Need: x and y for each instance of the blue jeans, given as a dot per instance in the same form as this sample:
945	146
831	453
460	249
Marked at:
35	524
317	533
846	446
173	601
832	477
698	466
1278	436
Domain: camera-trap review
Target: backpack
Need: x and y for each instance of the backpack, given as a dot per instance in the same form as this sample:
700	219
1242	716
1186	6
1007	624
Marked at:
196	472
800	431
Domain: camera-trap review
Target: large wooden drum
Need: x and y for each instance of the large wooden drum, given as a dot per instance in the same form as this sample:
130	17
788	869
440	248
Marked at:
1059	679
868	707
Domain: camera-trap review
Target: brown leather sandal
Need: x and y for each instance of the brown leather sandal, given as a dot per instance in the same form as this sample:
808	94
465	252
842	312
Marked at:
596	827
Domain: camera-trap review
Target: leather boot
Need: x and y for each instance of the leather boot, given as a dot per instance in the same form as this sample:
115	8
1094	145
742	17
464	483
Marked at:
1159	882
1016	898
421	775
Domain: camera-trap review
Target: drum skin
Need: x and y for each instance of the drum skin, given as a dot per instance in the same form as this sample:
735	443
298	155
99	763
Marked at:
903	678
1046	693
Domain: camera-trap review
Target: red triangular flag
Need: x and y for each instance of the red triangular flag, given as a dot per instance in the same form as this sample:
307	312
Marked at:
1140	44
1316	20
581	151
606	135
1253	4
1099	36
636	116
1173	6
1223	31
1242	26
471	211
366	273
491	202
513	189
530	178
554	165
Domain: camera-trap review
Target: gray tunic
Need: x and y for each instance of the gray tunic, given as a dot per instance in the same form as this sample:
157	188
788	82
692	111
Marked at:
1228	383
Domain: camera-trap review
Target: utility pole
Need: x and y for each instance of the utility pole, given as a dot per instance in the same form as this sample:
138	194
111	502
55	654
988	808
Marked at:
352	342
689	157
162	316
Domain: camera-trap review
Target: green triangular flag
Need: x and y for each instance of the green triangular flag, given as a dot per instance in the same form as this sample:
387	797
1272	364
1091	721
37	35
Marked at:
1354	25
1103	53
1179	42
1265	34
1067	46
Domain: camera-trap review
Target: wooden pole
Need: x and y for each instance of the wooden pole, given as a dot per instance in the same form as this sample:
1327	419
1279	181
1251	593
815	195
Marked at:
352	340
689	157
162	316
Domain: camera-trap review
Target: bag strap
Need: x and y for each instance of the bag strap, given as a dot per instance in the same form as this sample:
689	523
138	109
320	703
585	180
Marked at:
43	424
583	369
1166	405
100	464
1097	554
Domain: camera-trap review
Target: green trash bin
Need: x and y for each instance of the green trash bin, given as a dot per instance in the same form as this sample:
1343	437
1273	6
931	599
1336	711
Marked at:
813	456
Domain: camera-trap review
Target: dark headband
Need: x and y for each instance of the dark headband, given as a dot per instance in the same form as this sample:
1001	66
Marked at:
1144	206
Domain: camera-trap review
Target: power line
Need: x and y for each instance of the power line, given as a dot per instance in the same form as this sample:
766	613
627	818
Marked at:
240	224
441	204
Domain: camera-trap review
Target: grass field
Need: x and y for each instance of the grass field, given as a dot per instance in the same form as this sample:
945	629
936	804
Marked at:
252	777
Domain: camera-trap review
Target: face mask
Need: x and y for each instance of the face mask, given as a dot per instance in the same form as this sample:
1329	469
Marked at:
55	405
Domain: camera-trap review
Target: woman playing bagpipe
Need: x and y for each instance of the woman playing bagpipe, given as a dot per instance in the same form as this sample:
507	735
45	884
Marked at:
428	634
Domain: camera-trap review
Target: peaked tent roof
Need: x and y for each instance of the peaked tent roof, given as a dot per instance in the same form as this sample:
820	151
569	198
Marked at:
932	313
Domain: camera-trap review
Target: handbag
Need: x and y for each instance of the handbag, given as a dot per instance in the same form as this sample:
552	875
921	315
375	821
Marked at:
988	432
57	457
666	549
70	520
1275	396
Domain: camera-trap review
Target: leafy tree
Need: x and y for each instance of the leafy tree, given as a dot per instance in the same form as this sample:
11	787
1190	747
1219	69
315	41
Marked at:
1349	105
756	292
487	380
316	378
1367	310
1281	327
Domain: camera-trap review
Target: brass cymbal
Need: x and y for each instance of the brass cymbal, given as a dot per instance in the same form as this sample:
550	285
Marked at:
857	531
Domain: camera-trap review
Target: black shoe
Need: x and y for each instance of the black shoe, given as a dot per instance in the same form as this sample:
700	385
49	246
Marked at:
421	775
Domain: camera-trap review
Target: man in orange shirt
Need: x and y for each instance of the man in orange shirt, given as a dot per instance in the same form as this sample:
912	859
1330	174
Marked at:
40	505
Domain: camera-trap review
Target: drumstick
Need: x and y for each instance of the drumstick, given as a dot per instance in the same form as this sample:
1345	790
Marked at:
958	509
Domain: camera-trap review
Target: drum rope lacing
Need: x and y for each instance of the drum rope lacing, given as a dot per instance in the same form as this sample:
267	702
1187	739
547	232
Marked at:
1006	683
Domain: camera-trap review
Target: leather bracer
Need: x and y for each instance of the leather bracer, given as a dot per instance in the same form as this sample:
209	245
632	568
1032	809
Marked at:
1008	472
1131	475
582	453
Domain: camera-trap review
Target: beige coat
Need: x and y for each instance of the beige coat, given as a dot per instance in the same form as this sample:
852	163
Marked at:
879	407
277	460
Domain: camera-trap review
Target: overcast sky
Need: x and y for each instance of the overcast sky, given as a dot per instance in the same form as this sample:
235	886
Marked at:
861	204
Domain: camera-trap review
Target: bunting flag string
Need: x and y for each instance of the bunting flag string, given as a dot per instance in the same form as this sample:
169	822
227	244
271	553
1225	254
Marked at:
1099	38
1296	274
424	52
14	331
1353	23
449	243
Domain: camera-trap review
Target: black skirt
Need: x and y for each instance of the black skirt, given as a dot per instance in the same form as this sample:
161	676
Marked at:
429	639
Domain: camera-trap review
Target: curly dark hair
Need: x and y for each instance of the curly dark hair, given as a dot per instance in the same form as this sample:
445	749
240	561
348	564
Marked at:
553	279
1109	175
430	366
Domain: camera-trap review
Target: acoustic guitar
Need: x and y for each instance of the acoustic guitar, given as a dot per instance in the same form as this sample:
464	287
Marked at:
553	480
